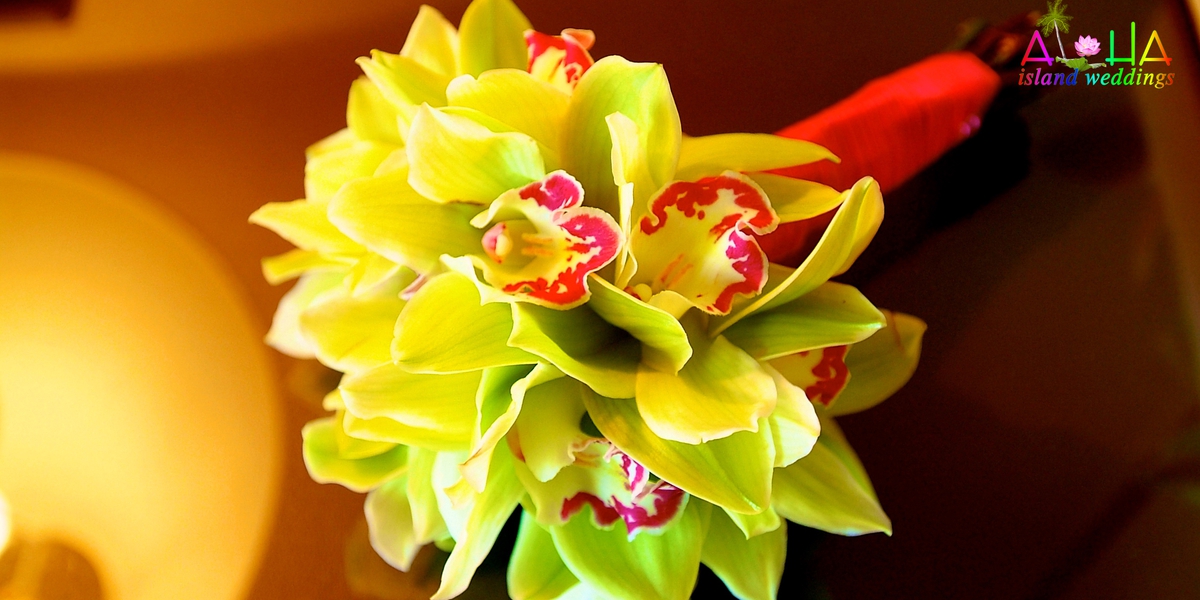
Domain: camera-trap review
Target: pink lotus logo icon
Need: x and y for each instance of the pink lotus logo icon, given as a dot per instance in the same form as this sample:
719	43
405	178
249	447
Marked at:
1087	46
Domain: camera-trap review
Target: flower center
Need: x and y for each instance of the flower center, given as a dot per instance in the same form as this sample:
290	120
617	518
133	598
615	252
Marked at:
515	243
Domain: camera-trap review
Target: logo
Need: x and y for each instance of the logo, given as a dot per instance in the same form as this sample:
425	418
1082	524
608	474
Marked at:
1057	22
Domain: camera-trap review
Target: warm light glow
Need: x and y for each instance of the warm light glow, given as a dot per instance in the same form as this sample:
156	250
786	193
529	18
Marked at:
137	411
103	33
5	524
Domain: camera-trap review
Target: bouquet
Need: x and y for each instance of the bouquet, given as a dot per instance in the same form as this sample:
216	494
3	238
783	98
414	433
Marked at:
542	295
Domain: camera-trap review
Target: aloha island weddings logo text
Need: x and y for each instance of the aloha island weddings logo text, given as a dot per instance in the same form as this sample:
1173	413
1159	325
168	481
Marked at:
1145	71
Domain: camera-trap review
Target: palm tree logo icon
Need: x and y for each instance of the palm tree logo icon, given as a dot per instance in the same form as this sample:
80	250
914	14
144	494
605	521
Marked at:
1055	18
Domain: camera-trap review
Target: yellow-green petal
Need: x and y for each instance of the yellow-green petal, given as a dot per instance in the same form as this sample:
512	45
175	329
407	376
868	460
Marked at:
371	116
796	199
710	155
719	392
794	423
492	36
285	334
326	465
387	216
664	342
581	344
304	223
733	472
432	42
852	228
427	521
548	426
294	263
325	173
828	489
880	365
516	99
834	314
453	158
390	523
404	81
641	92
536	571
751	568
648	567
476	522
352	333
435	411
499	400
445	329
755	525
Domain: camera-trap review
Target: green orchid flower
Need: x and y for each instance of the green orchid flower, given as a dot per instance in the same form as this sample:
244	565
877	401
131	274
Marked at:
542	294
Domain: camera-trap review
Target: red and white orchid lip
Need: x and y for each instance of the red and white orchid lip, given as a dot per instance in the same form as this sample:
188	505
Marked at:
643	504
693	241
541	243
560	59
822	373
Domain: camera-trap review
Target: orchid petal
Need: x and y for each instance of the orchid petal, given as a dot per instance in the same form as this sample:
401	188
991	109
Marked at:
516	99
755	525
797	199
294	263
794	423
634	187
710	155
351	447
536	571
829	490
386	215
852	228
390	523
492	36
371	116
881	364
548	430
432	42
285	334
650	567
821	373
498	402
665	345
476	338
639	91
720	391
476	523
427	521
325	173
692	242
581	344
452	158
372	274
404	81
541	245
353	333
733	472
750	567
304	224
434	411
834	314
326	465
339	140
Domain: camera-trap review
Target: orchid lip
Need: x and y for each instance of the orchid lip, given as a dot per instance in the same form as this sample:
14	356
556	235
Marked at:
708	221
541	243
